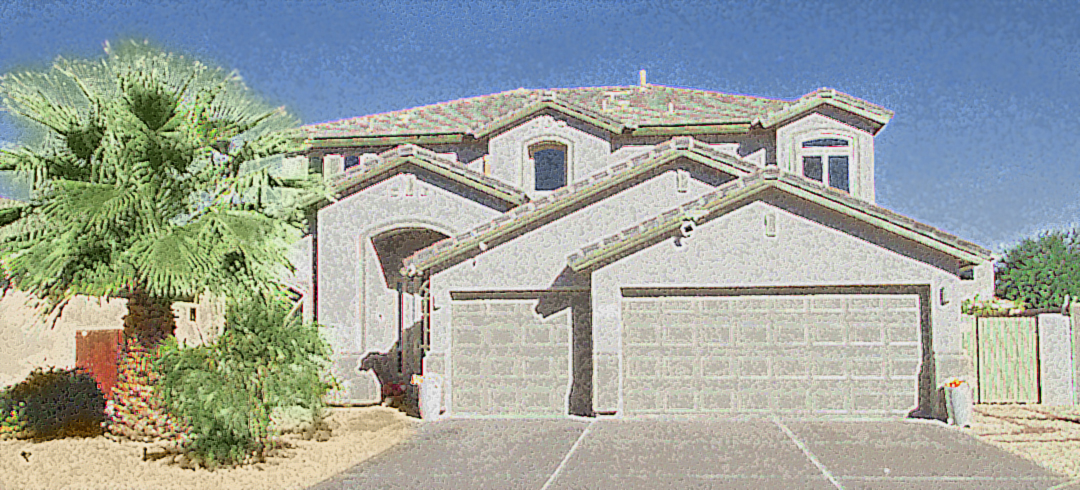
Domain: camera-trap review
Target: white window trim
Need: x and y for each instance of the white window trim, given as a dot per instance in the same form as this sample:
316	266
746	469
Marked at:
825	152
529	166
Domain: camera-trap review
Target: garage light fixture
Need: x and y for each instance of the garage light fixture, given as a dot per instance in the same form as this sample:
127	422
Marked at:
943	296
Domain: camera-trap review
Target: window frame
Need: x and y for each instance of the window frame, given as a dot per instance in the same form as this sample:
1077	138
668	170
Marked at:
547	143
824	152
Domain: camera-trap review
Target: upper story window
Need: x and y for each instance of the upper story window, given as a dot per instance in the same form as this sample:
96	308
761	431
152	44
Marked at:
827	160
549	165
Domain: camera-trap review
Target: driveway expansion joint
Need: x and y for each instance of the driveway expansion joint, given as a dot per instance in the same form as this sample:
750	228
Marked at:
813	459
566	458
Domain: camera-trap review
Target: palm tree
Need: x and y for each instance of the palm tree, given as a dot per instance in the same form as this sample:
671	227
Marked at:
151	180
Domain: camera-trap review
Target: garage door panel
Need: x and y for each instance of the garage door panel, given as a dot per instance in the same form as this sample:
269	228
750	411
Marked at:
470	397
718	366
753	367
678	335
825	332
752	333
812	354
679	400
873	333
716	334
792	366
506	359
681	367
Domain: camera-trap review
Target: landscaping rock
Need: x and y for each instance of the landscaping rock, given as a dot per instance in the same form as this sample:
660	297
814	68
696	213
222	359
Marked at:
322	436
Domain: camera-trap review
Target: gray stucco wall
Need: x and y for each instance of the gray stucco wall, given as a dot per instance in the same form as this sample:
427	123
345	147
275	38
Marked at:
586	153
536	259
734	251
1055	360
364	319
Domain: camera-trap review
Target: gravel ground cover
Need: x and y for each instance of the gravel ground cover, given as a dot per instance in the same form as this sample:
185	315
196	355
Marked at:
100	463
1047	435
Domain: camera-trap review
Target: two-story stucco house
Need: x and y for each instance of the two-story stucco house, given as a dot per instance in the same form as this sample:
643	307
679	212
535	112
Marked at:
633	250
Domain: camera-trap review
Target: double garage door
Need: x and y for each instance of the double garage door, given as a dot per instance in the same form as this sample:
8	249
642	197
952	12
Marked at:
814	354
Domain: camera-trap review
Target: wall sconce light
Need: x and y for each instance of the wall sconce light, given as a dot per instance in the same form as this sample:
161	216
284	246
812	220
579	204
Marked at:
943	294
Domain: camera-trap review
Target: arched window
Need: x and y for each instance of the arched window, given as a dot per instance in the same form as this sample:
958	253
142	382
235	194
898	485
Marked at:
827	160
549	165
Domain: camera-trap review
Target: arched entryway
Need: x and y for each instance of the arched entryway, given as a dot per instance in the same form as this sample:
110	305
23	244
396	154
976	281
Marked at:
397	298
394	245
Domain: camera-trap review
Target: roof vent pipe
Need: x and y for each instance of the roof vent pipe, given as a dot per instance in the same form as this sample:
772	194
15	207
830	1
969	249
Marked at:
641	74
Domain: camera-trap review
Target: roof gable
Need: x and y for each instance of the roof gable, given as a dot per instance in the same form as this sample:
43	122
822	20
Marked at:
714	204
377	168
648	110
571	198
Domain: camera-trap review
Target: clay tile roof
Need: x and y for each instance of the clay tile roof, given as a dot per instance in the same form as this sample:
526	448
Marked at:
613	107
374	168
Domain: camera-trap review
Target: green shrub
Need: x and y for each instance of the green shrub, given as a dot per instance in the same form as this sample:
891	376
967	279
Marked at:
1040	272
57	403
226	391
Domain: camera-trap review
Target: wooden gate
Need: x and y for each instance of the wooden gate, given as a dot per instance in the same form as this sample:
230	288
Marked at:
96	351
1006	355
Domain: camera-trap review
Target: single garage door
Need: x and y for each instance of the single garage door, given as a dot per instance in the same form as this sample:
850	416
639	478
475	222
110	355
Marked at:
842	354
508	360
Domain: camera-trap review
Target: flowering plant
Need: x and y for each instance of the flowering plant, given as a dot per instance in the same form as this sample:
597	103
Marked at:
955	383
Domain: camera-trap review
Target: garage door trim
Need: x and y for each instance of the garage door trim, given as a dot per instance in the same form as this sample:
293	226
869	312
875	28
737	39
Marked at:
923	290
927	375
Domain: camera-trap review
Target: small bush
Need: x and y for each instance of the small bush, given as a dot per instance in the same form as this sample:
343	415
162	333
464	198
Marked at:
57	403
227	391
12	420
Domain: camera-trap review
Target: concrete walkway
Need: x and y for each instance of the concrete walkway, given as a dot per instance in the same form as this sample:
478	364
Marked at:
691	453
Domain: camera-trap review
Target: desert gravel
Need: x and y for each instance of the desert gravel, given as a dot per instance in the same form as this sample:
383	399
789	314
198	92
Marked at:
100	463
1035	432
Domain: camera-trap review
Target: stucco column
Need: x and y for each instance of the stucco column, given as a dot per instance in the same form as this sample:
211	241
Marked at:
1055	360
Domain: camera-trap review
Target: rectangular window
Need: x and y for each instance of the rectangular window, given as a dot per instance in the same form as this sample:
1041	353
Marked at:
811	168
838	173
550	169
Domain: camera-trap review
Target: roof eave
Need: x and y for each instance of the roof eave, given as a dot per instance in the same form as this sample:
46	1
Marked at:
690	129
566	108
422	158
585	258
971	253
881	118
678	148
387	140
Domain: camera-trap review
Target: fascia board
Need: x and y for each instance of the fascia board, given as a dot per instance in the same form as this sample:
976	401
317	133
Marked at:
563	107
806	106
393	140
676	130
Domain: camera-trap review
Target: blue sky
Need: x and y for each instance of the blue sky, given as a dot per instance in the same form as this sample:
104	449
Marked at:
985	143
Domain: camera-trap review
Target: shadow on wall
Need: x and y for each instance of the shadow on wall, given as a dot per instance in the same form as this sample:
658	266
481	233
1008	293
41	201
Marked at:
397	390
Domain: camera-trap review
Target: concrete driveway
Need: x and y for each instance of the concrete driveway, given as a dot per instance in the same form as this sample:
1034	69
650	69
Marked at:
691	453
